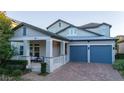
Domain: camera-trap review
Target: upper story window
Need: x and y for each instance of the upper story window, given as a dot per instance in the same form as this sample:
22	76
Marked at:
24	31
72	32
60	24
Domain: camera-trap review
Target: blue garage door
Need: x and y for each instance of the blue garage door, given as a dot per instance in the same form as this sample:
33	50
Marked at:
101	54
78	53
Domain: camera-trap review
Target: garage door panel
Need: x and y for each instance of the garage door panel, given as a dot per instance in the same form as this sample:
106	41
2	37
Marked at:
101	54
78	53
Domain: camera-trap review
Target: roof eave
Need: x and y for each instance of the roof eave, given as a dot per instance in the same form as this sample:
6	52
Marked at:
96	26
58	21
95	40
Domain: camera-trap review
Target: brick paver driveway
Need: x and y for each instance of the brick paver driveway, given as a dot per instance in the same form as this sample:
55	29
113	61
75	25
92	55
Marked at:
84	71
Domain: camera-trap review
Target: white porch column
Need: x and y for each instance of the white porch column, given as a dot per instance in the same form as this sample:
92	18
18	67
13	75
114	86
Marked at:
63	48
63	51
49	48
68	52
49	54
27	52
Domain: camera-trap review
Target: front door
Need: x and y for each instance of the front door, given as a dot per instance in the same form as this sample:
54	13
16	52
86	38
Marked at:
35	50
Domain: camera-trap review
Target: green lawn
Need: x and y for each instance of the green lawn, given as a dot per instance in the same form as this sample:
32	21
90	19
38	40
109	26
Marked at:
120	60
120	71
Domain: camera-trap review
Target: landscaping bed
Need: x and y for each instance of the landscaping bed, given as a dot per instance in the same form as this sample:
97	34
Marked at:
119	56
119	65
12	70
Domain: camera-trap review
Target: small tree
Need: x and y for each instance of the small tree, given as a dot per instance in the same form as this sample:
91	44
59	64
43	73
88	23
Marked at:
6	52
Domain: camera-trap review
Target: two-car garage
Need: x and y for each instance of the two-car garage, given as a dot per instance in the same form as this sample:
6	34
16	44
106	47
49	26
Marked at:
91	53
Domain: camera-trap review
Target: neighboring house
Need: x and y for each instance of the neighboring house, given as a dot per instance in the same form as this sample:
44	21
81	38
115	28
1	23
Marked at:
63	42
120	44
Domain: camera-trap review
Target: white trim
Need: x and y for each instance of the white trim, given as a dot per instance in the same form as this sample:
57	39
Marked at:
113	54
88	53
29	38
27	52
59	40
88	44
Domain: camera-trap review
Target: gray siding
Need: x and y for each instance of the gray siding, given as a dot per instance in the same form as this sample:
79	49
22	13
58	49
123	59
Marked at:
30	33
55	28
78	33
103	30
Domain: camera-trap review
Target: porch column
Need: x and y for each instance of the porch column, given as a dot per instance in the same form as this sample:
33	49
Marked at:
49	54
27	52
49	48
63	52
63	48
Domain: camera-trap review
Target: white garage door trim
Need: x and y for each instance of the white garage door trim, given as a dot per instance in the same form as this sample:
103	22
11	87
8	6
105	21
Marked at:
88	54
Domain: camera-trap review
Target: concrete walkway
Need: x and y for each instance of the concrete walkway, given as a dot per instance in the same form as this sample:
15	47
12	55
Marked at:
33	76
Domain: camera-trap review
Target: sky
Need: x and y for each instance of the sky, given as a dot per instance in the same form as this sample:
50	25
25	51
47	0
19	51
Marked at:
43	19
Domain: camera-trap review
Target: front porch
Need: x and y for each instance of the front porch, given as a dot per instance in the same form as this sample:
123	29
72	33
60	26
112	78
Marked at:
52	51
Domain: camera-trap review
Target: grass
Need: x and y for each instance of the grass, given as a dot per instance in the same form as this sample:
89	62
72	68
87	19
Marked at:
120	60
122	71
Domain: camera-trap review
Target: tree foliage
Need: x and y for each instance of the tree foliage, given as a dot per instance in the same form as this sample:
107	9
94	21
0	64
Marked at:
6	33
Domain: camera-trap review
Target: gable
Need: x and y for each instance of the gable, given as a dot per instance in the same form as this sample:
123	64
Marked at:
79	32
29	32
33	31
57	26
103	30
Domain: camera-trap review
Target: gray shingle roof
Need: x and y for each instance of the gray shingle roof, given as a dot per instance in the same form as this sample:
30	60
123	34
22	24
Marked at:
93	25
89	25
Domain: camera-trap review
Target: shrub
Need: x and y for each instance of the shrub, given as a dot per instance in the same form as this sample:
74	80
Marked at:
16	64
119	65
1	71
14	67
119	56
16	73
7	72
43	67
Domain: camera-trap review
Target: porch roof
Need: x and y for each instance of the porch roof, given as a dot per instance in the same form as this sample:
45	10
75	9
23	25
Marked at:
40	30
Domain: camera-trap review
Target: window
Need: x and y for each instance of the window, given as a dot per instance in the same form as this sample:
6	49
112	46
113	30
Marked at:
65	48
72	32
35	50
21	50
31	51
24	31
59	24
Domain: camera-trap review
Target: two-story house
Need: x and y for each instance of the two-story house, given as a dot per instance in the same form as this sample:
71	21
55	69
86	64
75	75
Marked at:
63	42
